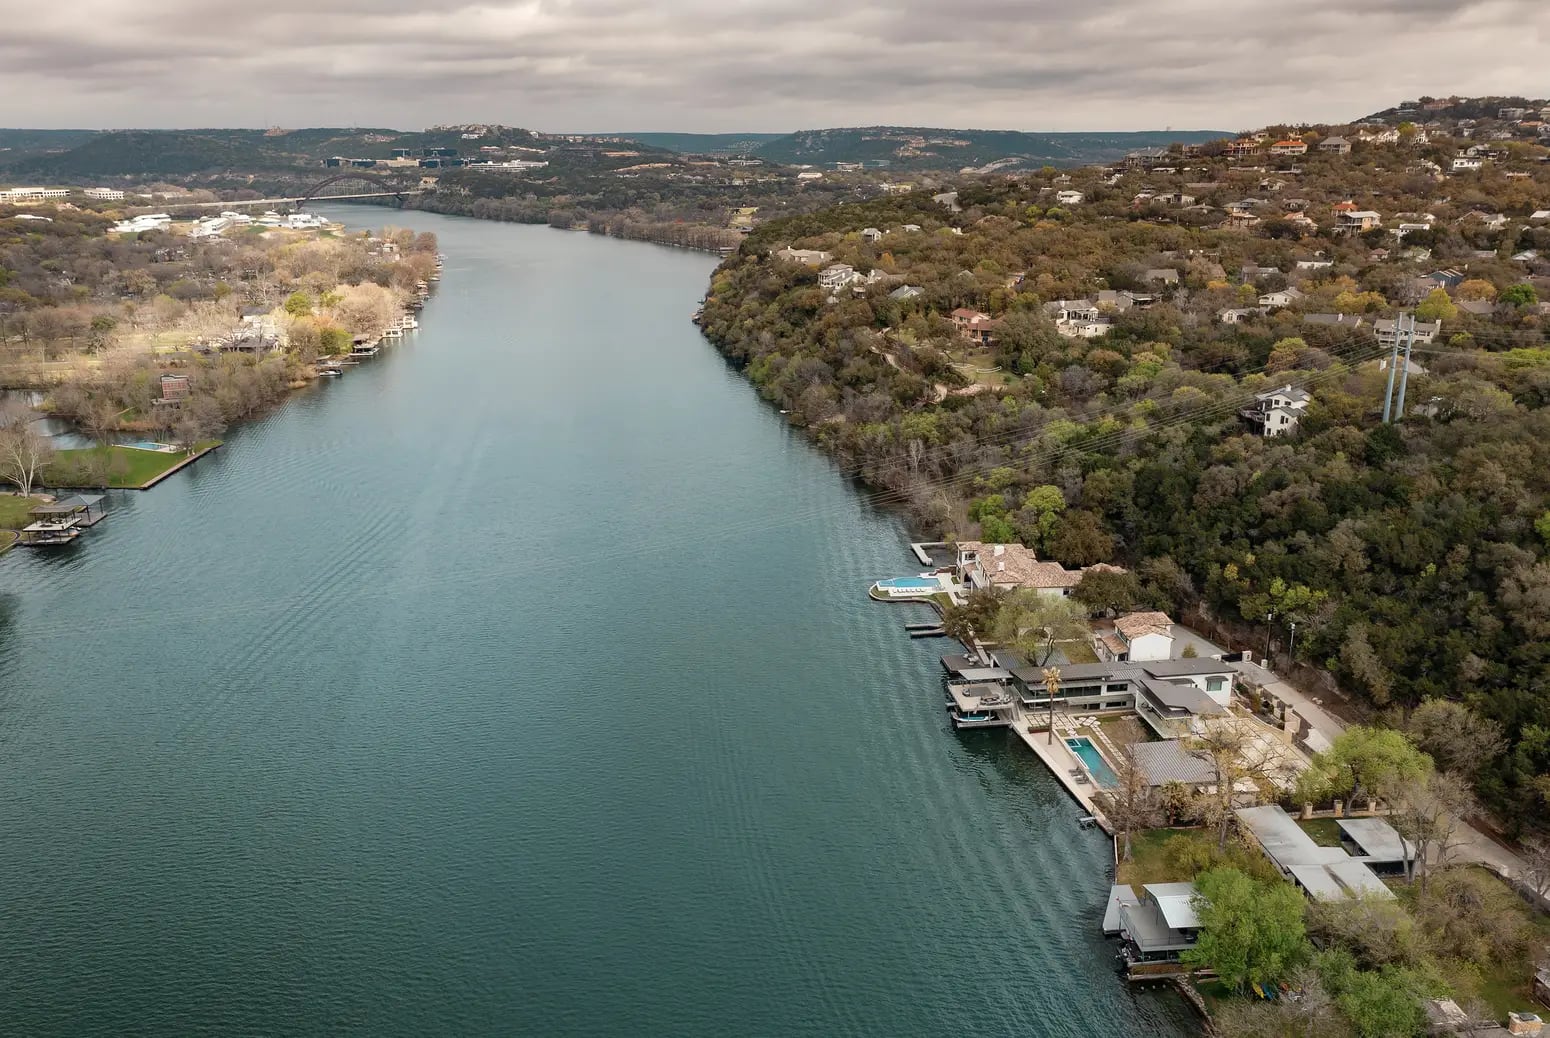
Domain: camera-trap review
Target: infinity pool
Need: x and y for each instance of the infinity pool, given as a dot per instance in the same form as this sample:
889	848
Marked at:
1096	765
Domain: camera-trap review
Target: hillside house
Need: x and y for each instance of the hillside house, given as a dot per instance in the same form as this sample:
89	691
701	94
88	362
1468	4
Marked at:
1282	298
836	276
1425	332
1068	198
1162	275
1466	163
905	293
974	325
1335	146
1241	221
1354	221
1238	314
871	235
1070	310
1351	321
1240	148
1289	147
1314	264
806	257
174	388
1277	412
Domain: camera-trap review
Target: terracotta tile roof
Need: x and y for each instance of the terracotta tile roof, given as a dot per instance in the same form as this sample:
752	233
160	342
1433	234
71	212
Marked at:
1134	625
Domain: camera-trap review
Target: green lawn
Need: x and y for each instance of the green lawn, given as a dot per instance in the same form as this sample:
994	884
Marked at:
120	467
1325	831
1078	652
13	511
1150	862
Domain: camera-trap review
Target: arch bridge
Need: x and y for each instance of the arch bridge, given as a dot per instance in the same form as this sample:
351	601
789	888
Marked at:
395	186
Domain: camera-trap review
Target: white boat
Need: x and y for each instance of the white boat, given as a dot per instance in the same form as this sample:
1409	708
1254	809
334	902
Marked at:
331	372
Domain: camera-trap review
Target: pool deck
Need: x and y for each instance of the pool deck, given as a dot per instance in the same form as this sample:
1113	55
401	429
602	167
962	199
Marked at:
1060	760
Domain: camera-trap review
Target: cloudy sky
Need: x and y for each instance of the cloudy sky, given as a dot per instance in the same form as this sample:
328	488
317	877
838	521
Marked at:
728	65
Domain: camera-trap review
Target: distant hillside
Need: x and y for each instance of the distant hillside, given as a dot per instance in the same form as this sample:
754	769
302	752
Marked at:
180	152
19	144
155	152
705	143
1427	108
908	147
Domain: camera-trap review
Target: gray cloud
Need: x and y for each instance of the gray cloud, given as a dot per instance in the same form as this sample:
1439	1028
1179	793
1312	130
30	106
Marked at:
757	64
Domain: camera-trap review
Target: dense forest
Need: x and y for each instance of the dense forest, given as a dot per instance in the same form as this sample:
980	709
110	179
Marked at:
1411	556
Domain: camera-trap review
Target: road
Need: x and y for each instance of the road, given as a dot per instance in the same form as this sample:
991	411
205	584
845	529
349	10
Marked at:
1475	845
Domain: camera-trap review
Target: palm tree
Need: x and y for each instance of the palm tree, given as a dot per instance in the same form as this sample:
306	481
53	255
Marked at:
1051	686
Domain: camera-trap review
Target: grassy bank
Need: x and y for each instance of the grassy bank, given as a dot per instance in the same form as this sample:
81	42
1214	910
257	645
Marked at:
14	509
114	467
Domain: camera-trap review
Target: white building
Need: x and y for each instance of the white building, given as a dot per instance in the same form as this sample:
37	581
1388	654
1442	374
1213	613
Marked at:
1277	412
1138	638
144	222
836	276
23	195
1068	197
104	194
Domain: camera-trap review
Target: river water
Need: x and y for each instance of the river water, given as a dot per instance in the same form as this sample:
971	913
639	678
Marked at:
520	682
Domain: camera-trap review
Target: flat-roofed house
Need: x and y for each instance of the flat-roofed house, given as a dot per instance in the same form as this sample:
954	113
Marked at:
1323	873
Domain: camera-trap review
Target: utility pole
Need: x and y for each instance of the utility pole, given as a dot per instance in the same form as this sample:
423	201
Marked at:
1268	618
1403	329
1291	646
1404	375
1394	364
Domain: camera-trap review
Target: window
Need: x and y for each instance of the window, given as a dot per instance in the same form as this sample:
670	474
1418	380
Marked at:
1215	684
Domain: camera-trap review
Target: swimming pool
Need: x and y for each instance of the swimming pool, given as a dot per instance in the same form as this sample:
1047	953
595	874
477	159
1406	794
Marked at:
906	587
150	445
1096	766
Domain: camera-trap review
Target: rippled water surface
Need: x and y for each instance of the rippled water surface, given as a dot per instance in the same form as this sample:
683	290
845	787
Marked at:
520	682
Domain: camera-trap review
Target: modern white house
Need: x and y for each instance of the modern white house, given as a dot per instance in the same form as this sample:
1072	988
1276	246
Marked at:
104	194
1276	413
1137	638
1068	197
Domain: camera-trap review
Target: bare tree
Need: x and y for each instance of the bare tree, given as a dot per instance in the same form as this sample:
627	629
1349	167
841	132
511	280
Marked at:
1429	813
1536	866
1236	757
23	451
1132	804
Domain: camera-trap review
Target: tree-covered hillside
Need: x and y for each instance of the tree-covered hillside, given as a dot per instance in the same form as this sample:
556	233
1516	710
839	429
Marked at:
911	148
1413	556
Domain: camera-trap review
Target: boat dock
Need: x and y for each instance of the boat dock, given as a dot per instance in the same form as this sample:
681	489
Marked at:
62	522
922	554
